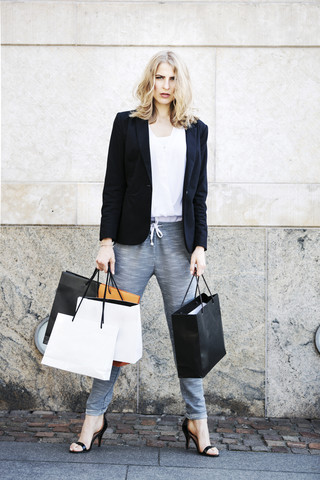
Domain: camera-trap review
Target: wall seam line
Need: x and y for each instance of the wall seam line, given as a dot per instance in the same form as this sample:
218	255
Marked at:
266	387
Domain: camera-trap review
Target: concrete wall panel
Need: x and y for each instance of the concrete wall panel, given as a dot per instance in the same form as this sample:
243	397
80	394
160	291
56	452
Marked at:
141	23
293	374
268	115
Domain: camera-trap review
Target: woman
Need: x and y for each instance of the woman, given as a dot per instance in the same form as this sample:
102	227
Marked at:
154	219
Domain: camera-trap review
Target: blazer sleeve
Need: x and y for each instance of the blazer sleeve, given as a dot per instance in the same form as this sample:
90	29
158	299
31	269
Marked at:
114	184
199	201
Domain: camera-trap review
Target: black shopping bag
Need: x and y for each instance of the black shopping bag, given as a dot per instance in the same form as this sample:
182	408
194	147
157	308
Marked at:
198	335
71	286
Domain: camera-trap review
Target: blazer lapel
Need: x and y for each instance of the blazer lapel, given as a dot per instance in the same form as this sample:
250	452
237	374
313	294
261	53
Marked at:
191	137
143	139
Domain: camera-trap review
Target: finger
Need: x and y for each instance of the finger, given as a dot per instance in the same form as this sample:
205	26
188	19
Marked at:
99	265
192	266
112	265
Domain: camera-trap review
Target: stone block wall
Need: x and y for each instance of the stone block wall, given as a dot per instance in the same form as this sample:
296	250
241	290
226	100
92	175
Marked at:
68	67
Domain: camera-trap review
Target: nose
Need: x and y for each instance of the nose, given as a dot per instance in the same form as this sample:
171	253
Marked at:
166	84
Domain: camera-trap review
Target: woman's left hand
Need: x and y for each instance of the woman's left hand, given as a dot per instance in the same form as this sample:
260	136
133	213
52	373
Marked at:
198	261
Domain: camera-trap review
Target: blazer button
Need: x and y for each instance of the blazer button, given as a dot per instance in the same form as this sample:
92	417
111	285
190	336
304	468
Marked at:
187	192
149	186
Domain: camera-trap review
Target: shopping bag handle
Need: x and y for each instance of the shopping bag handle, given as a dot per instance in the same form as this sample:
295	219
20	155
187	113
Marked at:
88	283
109	279
197	289
112	280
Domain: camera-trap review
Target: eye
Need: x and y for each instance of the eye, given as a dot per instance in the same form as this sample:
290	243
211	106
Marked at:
159	77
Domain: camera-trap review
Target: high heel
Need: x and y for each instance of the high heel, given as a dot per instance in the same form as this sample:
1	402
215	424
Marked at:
97	435
189	435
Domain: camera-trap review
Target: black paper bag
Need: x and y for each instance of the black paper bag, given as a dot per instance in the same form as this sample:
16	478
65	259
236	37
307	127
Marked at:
198	336
71	286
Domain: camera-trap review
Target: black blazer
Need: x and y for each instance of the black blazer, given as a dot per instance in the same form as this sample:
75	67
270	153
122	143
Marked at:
126	209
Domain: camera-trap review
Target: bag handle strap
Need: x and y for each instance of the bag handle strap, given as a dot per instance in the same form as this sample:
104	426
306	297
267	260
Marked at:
109	280
208	288
187	291
88	283
197	289
112	280
104	299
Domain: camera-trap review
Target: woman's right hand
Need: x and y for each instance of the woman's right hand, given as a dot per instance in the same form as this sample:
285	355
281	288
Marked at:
106	258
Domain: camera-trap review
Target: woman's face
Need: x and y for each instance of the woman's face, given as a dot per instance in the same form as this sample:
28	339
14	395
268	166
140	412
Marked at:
165	83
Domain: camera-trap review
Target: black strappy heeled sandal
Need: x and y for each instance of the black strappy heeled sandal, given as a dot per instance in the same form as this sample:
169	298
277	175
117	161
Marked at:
189	435
97	435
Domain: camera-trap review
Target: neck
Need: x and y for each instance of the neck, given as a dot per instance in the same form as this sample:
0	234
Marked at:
163	111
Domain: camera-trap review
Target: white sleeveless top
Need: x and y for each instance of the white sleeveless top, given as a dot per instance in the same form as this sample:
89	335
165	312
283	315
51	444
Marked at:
168	163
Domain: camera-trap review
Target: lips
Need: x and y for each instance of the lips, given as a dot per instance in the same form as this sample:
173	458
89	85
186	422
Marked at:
165	95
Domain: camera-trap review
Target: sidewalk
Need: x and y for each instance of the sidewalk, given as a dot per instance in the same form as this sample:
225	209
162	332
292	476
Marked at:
43	461
274	435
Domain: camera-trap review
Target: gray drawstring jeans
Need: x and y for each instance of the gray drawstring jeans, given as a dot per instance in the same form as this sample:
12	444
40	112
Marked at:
164	255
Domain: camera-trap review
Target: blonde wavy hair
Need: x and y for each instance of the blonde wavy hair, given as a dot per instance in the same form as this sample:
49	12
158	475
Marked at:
181	113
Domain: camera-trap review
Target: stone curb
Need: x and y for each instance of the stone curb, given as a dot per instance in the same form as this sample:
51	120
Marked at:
282	435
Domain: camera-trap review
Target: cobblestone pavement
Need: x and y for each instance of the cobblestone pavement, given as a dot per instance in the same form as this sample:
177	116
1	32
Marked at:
282	435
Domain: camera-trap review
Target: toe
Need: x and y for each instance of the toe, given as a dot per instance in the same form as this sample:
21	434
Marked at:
214	452
74	447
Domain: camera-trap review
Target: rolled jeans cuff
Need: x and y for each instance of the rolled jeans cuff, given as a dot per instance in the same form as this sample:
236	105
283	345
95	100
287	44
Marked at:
196	416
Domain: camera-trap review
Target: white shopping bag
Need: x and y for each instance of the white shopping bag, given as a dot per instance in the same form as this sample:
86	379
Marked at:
127	321
82	346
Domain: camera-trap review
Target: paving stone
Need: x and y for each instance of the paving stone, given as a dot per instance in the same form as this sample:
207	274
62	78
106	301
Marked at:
18	434
288	438
243	420
282	428
147	421
296	445
228	435
280	449
275	443
42	412
230	441
258	426
44	434
253	442
283	421
169	438
260	448
314	445
310	434
268	436
61	429
242	448
245	431
300	451
35	424
19	413
221	446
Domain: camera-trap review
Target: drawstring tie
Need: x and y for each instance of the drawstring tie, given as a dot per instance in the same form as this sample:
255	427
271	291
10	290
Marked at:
155	228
